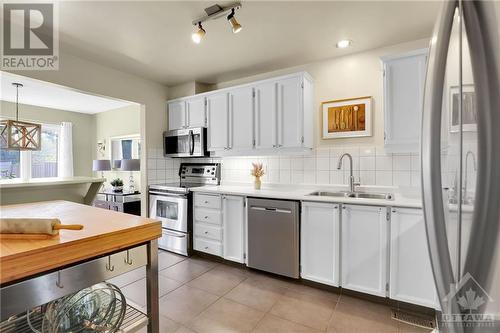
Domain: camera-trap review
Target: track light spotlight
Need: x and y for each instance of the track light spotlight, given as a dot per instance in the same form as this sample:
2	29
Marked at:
199	34
234	24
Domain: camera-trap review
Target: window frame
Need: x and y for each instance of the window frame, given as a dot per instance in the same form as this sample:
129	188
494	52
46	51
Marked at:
25	156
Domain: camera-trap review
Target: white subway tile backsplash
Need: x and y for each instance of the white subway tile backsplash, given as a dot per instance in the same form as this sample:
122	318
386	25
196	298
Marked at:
415	178
297	177
401	163
401	178
322	163
322	177
336	152
285	163
367	177
383	163
383	178
297	163
309	163
336	177
415	162
285	176
366	151
274	163
367	163
372	165
309	177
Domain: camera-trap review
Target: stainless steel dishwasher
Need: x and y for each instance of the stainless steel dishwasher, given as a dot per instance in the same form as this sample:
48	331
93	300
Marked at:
273	236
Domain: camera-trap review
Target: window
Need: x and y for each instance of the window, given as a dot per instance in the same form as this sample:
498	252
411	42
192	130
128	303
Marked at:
33	164
10	164
44	161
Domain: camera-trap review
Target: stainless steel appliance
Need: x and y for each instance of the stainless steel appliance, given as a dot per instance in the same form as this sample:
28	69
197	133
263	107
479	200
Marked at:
273	236
191	142
172	204
461	118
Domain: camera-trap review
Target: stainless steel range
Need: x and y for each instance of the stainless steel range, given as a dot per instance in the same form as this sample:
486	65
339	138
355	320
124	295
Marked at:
172	204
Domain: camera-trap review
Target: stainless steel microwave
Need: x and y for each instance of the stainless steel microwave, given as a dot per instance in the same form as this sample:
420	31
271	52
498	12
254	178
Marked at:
190	142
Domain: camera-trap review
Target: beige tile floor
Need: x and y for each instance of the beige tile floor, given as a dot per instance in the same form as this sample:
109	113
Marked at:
201	296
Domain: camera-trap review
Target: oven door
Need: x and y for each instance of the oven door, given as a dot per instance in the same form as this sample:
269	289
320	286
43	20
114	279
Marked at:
170	209
185	143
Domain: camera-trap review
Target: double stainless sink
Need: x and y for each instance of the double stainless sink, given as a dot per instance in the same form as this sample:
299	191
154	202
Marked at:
360	195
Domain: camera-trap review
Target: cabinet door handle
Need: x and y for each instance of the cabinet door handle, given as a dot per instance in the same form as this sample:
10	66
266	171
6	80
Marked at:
206	232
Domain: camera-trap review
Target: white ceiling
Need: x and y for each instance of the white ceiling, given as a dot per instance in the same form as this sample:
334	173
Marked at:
152	39
49	95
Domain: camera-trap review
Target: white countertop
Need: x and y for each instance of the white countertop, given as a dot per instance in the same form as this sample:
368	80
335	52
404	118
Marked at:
300	192
52	181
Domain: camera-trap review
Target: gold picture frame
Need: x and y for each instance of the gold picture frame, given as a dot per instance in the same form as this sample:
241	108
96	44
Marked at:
347	118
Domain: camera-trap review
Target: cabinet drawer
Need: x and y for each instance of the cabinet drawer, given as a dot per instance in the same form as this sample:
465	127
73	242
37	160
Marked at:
208	216
207	246
207	231
208	201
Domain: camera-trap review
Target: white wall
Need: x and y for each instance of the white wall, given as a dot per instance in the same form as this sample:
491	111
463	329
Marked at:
87	76
351	76
123	121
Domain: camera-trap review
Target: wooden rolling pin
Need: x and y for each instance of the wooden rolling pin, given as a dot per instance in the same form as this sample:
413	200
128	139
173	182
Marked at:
34	228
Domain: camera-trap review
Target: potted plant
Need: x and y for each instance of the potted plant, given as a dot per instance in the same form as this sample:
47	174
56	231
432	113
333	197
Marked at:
257	172
117	184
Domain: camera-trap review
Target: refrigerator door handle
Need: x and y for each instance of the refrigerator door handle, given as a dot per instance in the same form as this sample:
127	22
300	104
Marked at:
432	194
483	37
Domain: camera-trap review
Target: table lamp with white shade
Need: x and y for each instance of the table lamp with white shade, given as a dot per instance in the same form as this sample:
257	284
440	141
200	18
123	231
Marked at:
131	165
101	165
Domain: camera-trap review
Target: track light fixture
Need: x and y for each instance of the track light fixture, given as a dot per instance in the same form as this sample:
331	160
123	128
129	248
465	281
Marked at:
215	12
234	24
199	34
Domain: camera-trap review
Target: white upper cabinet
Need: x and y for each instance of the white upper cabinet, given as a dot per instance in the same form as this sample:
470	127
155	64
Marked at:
261	117
410	273
233	216
290	112
265	115
176	115
319	243
364	249
218	121
241	108
195	110
404	79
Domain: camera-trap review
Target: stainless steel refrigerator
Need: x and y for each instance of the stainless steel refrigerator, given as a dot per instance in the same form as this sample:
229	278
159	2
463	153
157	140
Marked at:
461	164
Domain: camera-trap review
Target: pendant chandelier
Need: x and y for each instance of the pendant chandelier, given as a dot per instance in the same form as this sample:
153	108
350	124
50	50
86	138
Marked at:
19	135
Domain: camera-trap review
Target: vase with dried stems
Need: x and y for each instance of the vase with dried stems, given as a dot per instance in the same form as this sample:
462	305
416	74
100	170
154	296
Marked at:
257	172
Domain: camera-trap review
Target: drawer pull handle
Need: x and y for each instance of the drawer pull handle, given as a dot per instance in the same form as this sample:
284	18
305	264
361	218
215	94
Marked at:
206	217
58	282
206	247
206	232
206	201
128	260
110	267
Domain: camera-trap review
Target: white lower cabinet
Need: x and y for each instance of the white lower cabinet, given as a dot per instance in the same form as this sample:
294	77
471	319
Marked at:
320	243
219	225
364	249
233	217
411	278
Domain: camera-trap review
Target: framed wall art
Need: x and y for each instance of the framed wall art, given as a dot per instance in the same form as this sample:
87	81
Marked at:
469	112
347	118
